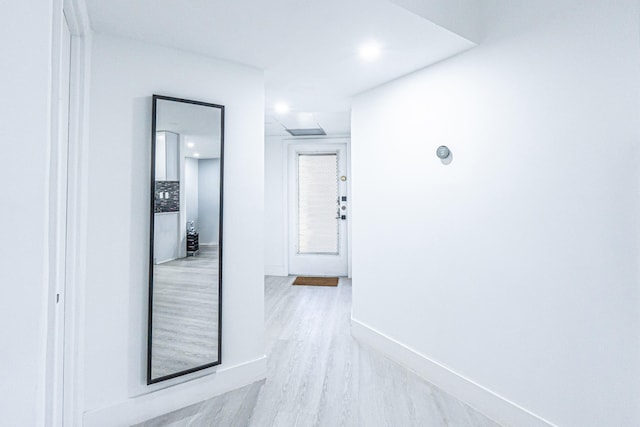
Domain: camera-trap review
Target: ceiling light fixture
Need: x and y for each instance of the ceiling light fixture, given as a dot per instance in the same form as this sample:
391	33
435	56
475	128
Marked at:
196	154
370	51
190	144
281	108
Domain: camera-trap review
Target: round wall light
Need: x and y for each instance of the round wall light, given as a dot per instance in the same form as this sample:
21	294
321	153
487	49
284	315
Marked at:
443	152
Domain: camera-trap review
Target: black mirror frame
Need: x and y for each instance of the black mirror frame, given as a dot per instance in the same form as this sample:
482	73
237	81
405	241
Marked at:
156	98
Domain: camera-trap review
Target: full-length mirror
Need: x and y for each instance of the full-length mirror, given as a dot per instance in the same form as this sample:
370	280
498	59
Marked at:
185	271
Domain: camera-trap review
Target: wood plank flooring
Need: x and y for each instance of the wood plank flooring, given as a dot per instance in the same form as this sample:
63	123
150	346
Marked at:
185	313
318	375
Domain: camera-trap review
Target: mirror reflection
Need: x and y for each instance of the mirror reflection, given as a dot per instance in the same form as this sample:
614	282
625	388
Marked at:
185	270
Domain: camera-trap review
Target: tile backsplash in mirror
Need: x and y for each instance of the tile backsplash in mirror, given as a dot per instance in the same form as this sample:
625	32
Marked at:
167	196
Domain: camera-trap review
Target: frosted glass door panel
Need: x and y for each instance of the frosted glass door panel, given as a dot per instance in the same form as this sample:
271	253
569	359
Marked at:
318	203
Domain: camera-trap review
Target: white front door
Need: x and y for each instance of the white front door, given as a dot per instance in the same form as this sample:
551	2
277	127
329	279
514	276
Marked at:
318	211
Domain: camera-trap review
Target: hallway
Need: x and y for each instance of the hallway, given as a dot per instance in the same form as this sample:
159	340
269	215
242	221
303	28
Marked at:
318	375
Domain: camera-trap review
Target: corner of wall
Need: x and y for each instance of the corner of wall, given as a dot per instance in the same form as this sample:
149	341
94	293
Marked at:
480	398
147	406
461	17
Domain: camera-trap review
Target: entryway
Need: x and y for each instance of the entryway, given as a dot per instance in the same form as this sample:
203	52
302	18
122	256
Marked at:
318	208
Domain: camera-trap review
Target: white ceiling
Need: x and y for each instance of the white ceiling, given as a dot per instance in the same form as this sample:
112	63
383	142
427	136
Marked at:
197	124
334	123
308	48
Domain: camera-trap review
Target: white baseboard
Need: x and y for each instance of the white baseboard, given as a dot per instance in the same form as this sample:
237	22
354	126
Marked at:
141	408
482	399
275	270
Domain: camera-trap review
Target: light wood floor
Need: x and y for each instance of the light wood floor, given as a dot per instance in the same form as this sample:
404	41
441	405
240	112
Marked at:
185	313
318	375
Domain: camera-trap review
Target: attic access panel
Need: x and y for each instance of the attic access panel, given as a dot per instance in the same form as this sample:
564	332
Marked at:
306	132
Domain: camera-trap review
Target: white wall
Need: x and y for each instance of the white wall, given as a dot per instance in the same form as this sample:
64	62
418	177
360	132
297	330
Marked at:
191	193
515	266
125	74
25	132
209	200
274	207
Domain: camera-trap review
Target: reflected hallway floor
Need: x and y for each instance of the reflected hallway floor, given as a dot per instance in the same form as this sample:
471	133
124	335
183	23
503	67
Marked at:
318	375
185	313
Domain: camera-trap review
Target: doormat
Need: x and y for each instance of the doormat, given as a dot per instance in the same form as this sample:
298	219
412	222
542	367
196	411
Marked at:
316	281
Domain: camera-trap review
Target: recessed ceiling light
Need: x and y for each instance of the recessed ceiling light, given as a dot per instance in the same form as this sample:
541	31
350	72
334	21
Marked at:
370	51
196	154
281	108
190	144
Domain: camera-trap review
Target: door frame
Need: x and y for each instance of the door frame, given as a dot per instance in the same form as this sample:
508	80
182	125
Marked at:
63	372
286	144
57	213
